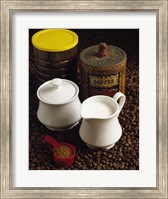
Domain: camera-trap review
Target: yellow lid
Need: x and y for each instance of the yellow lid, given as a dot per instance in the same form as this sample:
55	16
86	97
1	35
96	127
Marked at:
55	40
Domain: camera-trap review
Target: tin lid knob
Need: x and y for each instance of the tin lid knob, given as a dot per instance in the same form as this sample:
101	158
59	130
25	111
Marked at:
103	50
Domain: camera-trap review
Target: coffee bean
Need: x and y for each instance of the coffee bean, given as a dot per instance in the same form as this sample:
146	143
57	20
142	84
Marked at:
115	165
133	153
119	159
111	164
122	165
98	167
89	155
121	154
129	141
109	156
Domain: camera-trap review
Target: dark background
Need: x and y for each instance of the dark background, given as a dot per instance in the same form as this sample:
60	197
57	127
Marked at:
126	39
125	154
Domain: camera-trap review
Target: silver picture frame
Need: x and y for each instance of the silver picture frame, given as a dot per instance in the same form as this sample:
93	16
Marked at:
8	7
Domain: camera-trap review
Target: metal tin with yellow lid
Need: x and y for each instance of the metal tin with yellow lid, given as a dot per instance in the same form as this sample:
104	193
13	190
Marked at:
55	54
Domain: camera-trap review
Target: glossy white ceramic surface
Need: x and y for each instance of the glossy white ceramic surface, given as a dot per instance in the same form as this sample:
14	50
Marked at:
54	114
100	127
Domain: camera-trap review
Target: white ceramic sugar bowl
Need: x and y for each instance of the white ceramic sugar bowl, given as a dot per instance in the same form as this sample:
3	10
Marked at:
59	104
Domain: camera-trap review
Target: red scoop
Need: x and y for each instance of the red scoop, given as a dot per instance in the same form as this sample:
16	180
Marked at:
63	153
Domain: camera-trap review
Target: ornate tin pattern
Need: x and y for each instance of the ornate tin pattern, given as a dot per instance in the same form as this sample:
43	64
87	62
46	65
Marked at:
104	81
103	70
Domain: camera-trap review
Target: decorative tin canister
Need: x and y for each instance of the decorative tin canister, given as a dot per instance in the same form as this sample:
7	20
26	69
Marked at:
102	70
55	54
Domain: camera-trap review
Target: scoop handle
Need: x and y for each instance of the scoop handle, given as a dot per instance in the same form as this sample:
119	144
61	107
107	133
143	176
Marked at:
51	140
121	97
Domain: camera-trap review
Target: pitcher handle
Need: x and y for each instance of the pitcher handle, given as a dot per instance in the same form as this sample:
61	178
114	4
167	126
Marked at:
121	97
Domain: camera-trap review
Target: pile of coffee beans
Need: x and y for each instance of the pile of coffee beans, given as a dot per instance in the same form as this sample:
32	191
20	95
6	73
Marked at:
123	156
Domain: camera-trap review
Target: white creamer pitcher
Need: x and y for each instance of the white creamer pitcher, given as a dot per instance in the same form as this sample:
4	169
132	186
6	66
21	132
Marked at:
100	127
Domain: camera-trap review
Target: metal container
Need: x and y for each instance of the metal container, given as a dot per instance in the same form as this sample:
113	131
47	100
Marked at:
55	54
102	70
